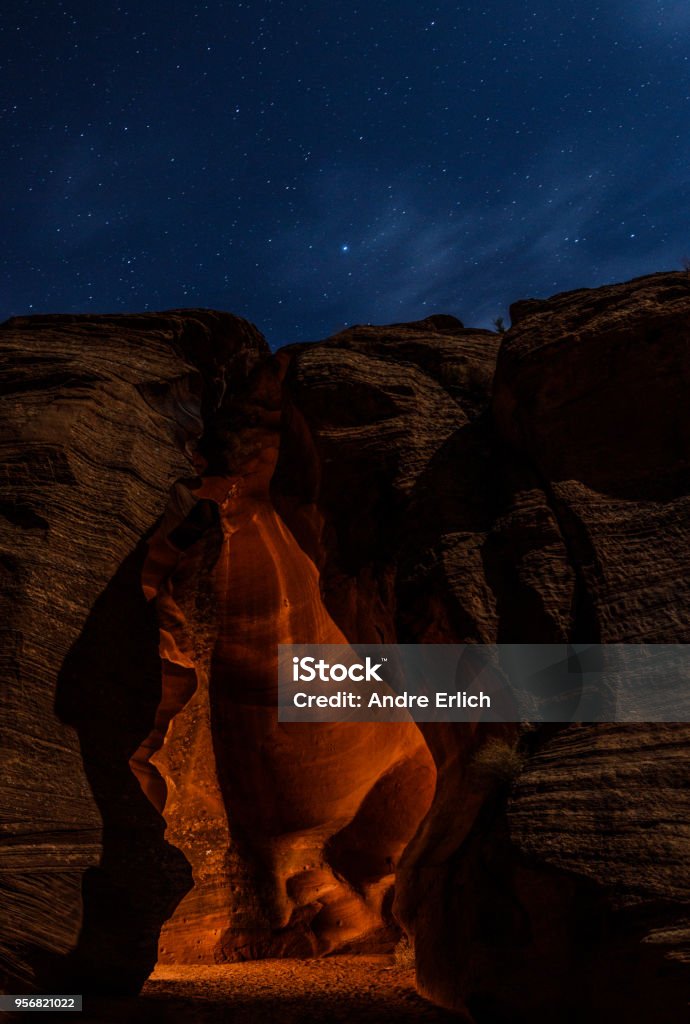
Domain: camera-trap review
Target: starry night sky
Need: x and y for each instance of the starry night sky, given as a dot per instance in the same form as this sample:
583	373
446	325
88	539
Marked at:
315	164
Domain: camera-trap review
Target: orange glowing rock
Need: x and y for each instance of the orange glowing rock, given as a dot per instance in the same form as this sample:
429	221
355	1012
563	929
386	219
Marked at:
270	815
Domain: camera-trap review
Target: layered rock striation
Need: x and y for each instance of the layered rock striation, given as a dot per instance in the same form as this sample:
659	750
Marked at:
179	501
293	831
100	416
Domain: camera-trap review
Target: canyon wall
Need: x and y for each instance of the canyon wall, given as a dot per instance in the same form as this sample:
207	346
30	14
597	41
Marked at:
566	895
179	501
99	417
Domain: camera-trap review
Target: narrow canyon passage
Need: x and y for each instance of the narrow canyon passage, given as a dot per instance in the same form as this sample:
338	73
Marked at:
293	831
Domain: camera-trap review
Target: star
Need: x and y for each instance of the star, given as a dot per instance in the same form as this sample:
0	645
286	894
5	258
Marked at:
203	144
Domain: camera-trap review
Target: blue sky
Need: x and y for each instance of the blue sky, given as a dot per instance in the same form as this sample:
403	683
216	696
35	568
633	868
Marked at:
309	165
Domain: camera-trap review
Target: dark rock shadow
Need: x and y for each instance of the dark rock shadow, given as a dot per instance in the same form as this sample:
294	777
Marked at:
108	690
455	497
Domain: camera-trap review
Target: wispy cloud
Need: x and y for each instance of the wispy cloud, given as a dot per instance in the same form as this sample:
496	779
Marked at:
386	250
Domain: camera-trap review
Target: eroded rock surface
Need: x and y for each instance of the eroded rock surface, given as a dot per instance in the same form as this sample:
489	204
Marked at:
379	486
96	415
293	830
570	899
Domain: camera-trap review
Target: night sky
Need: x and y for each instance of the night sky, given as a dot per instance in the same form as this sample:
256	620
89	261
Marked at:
314	164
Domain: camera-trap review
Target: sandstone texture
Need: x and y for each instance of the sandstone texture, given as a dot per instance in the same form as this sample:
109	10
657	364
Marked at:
177	501
574	880
293	831
96	415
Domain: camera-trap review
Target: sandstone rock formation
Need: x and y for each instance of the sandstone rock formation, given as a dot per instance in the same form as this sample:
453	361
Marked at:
293	831
96	414
178	501
577	884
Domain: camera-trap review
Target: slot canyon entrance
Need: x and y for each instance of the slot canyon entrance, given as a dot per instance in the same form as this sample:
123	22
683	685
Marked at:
293	831
414	483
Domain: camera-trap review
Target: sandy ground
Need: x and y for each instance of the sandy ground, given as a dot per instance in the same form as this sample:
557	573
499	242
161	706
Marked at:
352	989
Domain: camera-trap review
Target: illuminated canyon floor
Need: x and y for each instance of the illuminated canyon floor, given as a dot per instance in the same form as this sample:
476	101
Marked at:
370	989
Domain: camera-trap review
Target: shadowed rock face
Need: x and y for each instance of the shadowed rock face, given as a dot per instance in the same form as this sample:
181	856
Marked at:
567	896
591	852
96	416
379	486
